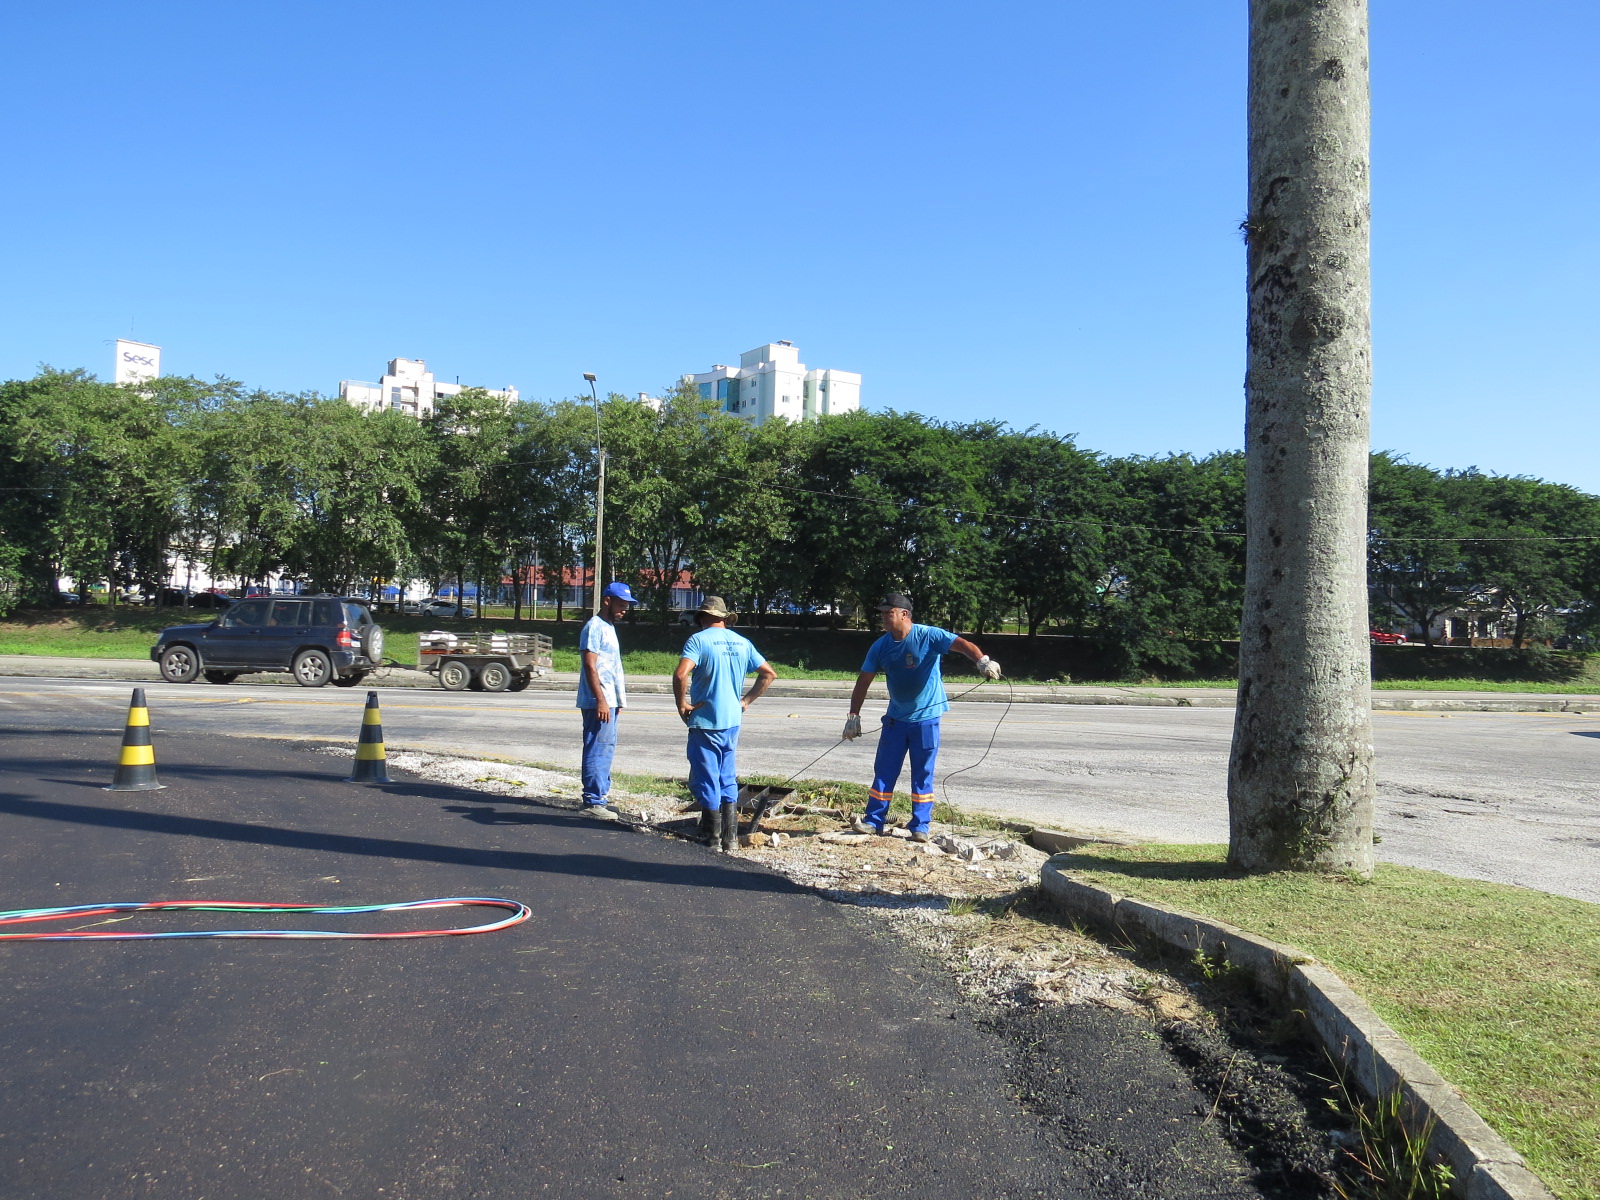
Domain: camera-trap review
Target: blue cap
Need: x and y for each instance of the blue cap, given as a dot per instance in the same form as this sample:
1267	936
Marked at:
621	592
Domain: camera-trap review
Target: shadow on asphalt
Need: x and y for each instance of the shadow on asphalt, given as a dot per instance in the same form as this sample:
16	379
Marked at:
590	865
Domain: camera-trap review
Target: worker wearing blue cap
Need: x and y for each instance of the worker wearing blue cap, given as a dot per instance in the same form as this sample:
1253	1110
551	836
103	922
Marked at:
602	693
908	657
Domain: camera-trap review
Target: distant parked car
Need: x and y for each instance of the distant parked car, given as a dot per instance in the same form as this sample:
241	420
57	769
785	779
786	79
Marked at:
70	598
1380	638
317	639
445	608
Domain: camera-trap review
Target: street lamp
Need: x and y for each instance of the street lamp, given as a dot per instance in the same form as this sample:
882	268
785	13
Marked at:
599	493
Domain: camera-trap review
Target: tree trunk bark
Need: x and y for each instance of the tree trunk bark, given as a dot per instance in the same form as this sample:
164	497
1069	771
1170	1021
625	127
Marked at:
1300	778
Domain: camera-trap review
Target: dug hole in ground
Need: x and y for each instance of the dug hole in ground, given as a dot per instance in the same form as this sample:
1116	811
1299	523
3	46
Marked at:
970	899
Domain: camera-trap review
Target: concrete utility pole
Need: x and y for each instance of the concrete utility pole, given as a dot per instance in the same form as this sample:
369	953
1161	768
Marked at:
1300	781
599	494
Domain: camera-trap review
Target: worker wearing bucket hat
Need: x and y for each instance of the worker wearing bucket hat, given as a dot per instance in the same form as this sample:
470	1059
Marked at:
602	693
706	686
908	656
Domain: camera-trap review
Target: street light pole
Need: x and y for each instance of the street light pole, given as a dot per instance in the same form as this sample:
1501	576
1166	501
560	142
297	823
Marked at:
599	494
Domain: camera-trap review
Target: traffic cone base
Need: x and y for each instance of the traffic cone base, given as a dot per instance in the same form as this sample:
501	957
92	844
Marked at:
136	765
371	764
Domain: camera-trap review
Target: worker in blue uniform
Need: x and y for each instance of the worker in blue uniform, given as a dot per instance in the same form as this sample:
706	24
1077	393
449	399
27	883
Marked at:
706	686
908	656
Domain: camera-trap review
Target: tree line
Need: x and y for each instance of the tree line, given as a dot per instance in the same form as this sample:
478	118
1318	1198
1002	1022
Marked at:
978	522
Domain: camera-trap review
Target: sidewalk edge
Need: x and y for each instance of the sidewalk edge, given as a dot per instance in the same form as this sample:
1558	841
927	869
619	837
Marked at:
1378	1059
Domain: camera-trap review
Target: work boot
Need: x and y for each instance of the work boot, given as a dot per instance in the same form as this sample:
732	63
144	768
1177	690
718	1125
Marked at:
730	827
921	835
709	832
860	825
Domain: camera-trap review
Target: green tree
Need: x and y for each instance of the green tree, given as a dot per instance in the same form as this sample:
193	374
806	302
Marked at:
1417	564
1530	558
673	488
1176	556
892	502
1047	504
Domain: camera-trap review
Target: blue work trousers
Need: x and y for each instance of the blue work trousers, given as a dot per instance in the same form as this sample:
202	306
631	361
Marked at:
713	774
919	740
599	748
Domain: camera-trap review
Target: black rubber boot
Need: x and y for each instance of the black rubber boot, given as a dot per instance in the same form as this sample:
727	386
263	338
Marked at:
709	831
730	827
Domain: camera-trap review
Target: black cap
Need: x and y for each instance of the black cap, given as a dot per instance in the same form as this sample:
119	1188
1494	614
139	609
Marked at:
894	600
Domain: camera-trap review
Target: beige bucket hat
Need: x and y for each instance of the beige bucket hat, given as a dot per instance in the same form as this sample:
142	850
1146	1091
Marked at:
714	607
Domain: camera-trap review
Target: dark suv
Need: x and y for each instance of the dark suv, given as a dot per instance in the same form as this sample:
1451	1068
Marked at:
317	639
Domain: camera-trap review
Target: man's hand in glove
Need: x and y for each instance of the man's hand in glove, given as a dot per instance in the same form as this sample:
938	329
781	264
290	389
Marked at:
852	727
988	668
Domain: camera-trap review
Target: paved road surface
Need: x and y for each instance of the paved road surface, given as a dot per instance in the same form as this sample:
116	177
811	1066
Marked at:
1513	797
621	1044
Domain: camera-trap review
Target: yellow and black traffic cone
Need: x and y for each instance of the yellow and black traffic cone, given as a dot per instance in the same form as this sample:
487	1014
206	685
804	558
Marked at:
371	766
136	768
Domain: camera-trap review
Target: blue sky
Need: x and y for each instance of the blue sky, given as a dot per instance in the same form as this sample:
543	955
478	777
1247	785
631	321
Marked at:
1016	210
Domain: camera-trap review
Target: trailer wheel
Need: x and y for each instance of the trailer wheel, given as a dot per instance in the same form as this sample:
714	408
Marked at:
454	675
494	676
520	682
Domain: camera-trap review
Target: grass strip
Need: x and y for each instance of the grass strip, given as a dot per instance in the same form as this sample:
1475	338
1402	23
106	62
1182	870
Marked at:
1497	986
128	633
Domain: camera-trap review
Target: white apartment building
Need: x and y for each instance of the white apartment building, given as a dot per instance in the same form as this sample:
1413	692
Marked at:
771	381
408	388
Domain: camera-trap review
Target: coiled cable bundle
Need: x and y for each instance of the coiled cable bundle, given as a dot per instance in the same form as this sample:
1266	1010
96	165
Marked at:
519	912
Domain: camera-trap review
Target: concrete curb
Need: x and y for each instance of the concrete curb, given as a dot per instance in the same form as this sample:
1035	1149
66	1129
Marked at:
137	671
1377	1059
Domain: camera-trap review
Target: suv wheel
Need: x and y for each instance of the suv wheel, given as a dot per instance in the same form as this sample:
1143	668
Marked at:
454	675
180	664
312	668
495	677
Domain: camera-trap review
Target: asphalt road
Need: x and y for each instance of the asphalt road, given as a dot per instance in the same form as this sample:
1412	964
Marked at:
1510	797
670	1023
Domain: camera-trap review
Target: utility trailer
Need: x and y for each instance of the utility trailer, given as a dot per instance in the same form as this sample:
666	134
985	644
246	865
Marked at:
485	662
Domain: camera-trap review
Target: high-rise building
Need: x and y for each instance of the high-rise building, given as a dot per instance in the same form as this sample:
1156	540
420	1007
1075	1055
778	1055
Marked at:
408	388
771	381
136	361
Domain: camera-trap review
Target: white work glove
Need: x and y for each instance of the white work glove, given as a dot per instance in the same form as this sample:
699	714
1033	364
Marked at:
988	668
852	727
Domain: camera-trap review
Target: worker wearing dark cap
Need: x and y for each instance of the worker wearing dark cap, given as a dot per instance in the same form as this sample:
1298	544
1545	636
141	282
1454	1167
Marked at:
907	655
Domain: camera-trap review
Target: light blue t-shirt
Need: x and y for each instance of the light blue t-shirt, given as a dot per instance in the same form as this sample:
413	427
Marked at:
911	669
600	636
721	658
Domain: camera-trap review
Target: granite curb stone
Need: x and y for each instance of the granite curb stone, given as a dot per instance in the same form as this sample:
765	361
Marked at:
1379	1061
